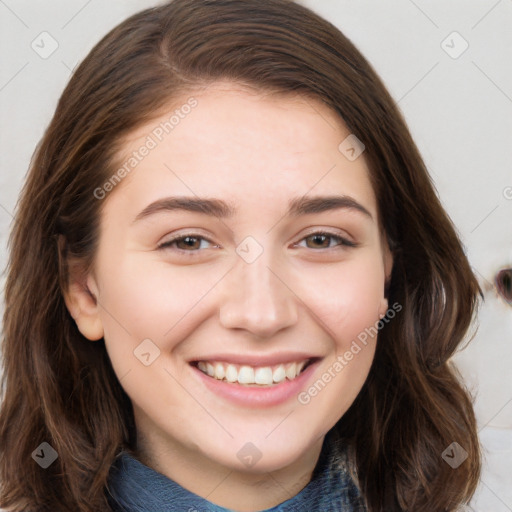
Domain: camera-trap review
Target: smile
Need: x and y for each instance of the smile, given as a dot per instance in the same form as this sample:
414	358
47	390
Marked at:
250	375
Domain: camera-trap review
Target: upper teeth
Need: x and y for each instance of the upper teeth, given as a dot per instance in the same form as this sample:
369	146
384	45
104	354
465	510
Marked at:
244	374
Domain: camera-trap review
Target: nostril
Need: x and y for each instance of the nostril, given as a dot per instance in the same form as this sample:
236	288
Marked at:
504	284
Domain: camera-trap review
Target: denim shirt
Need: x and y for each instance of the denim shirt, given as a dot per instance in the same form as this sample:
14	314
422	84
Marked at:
134	487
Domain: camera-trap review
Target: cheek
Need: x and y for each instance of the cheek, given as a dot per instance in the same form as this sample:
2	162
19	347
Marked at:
345	298
346	302
147	298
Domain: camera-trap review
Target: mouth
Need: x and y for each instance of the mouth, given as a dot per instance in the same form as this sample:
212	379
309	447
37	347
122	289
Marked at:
255	376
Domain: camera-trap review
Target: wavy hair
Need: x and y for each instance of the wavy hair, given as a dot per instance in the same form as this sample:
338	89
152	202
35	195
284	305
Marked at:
60	388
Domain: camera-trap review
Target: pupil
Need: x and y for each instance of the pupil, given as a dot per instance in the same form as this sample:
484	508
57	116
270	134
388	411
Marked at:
320	239
190	241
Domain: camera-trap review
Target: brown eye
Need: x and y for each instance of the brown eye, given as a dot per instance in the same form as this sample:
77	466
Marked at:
320	241
323	240
504	284
186	243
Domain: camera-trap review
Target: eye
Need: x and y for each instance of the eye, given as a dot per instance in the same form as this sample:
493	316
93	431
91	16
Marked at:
188	243
504	284
193	243
323	239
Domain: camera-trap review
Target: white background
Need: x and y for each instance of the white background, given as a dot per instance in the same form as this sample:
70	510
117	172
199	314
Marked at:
459	111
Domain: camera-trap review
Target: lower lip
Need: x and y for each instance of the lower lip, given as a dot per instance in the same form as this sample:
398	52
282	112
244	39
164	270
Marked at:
258	396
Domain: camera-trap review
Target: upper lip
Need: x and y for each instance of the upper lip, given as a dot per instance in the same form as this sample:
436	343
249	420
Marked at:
257	359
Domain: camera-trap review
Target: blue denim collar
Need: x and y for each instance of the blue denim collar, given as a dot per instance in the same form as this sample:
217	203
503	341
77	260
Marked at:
134	487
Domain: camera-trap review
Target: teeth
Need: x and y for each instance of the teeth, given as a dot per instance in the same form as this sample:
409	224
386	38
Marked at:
219	371
291	371
231	373
300	366
264	376
279	374
246	375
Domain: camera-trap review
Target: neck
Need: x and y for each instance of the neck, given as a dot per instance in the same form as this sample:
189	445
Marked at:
245	491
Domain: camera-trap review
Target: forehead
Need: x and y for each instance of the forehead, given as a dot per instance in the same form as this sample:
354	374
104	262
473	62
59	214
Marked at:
244	144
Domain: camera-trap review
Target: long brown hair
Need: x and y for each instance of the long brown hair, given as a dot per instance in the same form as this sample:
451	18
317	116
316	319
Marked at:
60	388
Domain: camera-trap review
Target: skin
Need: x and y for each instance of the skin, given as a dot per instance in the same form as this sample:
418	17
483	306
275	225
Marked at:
256	152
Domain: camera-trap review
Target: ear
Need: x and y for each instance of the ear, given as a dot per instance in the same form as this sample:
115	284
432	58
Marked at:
81	301
387	257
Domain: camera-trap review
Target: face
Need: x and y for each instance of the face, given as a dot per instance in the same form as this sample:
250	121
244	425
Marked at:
217	256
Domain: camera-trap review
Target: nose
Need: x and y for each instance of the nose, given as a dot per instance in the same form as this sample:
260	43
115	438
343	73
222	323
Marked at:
256	297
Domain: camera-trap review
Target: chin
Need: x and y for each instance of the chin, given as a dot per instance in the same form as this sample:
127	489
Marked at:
255	454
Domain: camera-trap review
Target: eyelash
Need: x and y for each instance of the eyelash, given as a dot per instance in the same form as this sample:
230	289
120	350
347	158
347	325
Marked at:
342	241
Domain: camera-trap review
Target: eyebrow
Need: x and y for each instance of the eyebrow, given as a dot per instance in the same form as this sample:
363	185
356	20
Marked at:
219	208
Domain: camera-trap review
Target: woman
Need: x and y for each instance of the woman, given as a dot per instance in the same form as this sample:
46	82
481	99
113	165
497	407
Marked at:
231	283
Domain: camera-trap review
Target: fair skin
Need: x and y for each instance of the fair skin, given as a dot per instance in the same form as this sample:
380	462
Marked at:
305	295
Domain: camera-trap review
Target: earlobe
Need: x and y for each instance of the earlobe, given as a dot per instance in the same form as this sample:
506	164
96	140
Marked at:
388	267
383	307
83	306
